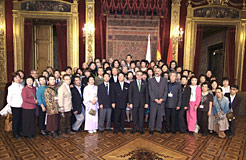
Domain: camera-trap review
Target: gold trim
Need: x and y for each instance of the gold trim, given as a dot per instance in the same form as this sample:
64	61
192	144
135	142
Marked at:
72	31
190	37
3	56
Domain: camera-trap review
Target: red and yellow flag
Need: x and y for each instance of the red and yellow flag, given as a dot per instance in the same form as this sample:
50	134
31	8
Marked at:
158	54
170	52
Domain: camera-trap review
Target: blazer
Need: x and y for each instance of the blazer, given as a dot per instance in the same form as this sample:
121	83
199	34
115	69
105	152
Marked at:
186	91
111	80
64	98
138	99
77	99
119	97
103	98
175	100
235	104
157	90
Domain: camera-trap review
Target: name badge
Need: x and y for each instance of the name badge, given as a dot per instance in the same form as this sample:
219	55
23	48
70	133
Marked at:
56	98
201	106
170	95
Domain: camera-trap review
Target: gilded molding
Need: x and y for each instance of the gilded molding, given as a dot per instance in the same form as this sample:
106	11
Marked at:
175	15
3	56
90	39
190	36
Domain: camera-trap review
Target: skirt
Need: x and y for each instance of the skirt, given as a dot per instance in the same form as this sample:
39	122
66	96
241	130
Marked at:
28	122
52	122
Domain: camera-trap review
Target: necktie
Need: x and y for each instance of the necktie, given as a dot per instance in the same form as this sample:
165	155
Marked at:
139	86
107	89
57	81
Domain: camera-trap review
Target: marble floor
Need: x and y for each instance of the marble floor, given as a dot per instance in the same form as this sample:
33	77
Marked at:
109	146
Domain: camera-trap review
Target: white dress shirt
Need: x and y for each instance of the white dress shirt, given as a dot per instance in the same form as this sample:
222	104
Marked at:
158	79
14	98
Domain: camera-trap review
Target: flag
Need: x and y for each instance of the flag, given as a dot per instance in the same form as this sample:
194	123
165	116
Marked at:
170	52
148	54
158	54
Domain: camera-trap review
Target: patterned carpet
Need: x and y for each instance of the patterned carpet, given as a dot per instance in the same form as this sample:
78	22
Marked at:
125	146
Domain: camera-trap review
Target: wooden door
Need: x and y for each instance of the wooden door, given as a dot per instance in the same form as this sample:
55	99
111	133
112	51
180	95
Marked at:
43	40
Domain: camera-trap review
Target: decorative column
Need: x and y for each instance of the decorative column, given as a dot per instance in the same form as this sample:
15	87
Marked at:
174	29
90	38
3	58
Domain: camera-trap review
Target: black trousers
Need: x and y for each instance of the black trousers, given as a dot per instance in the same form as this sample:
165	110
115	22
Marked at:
41	119
138	118
119	116
182	124
16	120
171	119
232	127
202	118
28	122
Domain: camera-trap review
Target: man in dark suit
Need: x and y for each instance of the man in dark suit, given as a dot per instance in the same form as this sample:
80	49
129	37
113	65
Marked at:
119	102
186	91
158	95
234	105
105	103
114	77
138	100
77	102
173	102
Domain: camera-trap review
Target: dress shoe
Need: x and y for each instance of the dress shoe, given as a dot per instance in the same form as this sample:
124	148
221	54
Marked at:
90	132
132	132
151	132
141	132
100	132
161	132
109	130
174	133
115	132
72	133
204	134
43	133
16	136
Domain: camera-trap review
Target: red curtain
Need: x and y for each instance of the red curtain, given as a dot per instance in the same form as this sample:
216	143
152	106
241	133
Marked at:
81	39
198	51
28	43
244	70
230	53
165	32
9	38
61	29
100	32
182	21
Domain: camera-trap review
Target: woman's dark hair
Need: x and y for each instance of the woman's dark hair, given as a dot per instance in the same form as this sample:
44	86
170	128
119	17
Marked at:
116	60
30	77
15	74
50	76
219	89
151	70
205	83
91	77
173	61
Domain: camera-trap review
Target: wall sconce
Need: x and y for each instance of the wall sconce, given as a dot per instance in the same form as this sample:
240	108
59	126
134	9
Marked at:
88	30
1	29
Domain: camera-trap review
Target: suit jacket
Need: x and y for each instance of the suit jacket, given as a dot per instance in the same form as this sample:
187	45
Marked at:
119	97
235	104
175	100
138	99
157	90
77	99
103	98
64	98
98	81
186	91
112	80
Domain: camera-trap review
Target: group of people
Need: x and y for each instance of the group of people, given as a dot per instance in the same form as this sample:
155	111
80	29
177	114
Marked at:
119	92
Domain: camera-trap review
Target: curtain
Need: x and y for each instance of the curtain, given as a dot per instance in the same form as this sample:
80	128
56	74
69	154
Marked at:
244	70
9	38
198	51
100	32
81	39
28	43
165	32
230	54
182	21
61	29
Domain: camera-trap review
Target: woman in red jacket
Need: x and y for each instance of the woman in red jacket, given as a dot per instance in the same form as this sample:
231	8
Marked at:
28	108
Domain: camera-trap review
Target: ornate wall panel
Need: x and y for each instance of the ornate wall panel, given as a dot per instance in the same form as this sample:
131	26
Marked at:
129	35
3	59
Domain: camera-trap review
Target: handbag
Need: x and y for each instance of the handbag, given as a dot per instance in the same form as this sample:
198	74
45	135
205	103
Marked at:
230	116
92	112
8	123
